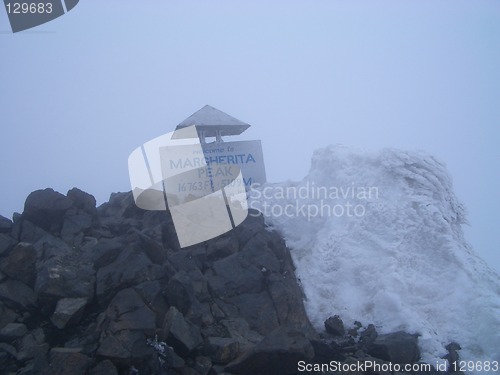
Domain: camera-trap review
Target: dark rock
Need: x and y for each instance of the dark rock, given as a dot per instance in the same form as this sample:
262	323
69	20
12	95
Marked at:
180	292
7	315
172	360
222	349
82	200
200	285
258	310
120	205
452	356
76	224
21	264
46	209
105	367
32	345
68	311
9	349
278	353
187	259
222	247
151	293
64	361
12	331
124	345
31	233
109	279
399	347
257	252
353	332
151	247
234	276
325	352
5	225
130	268
253	225
128	323
185	290
287	300
368	336
17	295
202	364
335	326
239	330
180	333
166	355
48	246
105	251
127	311
7	243
64	277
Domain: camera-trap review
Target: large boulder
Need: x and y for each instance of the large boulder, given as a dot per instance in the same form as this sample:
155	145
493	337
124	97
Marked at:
258	310
7	243
131	267
17	295
64	277
278	353
83	201
335	326
12	331
128	323
183	335
222	350
76	225
398	347
5	225
68	311
127	311
234	275
46	209
68	361
33	345
105	367
21	264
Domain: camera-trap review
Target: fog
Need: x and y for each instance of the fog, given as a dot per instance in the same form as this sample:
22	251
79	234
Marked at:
80	93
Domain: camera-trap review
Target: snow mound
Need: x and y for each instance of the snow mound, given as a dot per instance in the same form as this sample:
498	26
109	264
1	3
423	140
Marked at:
377	237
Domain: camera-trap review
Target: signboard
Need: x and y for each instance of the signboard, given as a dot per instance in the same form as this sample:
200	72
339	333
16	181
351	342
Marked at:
191	171
203	186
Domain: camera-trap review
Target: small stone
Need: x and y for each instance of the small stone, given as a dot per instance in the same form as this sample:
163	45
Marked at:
335	326
223	349
105	367
203	365
68	361
12	331
20	264
368	336
68	311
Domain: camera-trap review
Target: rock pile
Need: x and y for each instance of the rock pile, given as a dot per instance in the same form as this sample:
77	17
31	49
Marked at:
107	290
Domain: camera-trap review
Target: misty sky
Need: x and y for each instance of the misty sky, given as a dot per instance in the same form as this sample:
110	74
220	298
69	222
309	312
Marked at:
78	94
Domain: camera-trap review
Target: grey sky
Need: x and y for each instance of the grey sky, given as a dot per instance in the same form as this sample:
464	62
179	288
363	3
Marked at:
77	95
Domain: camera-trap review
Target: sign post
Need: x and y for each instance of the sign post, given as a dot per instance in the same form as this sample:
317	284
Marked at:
204	183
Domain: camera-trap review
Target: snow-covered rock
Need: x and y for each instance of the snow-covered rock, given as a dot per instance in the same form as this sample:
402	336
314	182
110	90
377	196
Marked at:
377	237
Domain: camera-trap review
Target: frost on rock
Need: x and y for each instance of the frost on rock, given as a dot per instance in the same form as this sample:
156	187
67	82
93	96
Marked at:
403	264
